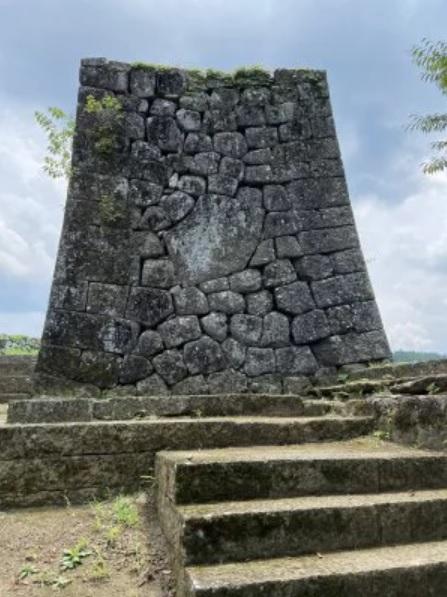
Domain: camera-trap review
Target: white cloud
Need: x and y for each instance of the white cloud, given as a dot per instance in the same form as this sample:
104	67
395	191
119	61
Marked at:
405	245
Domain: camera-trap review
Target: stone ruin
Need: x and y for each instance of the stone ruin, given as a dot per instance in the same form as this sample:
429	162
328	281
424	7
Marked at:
208	243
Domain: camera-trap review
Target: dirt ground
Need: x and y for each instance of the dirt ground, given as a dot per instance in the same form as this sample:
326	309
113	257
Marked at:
116	548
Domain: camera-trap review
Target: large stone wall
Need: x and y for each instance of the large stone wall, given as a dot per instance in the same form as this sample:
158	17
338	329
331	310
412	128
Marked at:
208	243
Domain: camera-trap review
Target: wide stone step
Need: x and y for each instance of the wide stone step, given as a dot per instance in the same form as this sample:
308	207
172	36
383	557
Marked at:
9	398
53	410
418	570
17	365
15	384
238	531
358	466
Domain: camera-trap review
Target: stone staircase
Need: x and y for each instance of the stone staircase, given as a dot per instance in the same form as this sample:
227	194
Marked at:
338	513
15	377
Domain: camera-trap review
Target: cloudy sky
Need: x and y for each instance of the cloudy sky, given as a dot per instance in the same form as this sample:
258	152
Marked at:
365	47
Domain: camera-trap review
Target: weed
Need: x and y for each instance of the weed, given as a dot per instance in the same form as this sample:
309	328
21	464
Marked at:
100	570
112	535
109	210
433	388
73	557
27	570
108	112
125	512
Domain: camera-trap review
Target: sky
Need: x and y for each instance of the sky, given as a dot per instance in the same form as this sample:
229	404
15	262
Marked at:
365	47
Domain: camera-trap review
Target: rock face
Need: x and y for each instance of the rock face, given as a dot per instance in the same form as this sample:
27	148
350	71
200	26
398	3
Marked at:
208	241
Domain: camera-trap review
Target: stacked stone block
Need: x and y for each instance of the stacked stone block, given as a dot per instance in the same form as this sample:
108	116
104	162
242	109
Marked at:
212	247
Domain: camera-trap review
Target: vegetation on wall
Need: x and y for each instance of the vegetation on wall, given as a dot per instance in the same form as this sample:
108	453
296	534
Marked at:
59	128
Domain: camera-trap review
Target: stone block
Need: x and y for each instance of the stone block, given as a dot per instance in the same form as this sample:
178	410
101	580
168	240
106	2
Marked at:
189	120
107	299
198	142
314	267
205	163
318	193
190	301
204	356
259	303
226	382
234	352
269	383
142	82
177	205
195	101
310	326
230	167
259	361
248	280
349	261
231	144
258	156
179	330
215	325
261	137
249	115
265	253
281	223
296	360
358	317
143	193
190	386
170	366
154	218
276	330
278	273
193	185
352	348
149	306
288	246
247	329
113	76
158	273
149	343
215	285
350	288
328	240
276	198
134	368
152	386
294	298
164	132
162	107
222	184
171	83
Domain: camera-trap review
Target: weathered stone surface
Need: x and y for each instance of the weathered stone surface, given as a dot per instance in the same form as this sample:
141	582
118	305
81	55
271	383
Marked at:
352	348
149	343
275	330
162	107
204	356
227	381
328	240
259	361
134	368
191	385
269	383
296	385
258	174
234	352
224	98
247	329
194	185
142	83
261	137
149	305
189	120
158	273
205	163
98	368
230	144
107	299
281	223
265	253
359	317
177	205
152	386
154	218
318	193
278	273
170	366
110	75
232	168
194	101
258	156
310	326
314	267
217	238
288	246
249	115
227	301
198	142
118	336
338	290
222	184
143	193
294	298
248	280
171	83
280	114
164	131
276	198
349	261
215	285
215	325
190	301
259	303
179	330
296	361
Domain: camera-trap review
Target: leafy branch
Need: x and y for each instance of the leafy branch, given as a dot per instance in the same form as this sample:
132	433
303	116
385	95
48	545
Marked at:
59	128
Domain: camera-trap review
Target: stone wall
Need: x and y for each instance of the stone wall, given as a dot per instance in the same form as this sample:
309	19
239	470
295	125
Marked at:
208	243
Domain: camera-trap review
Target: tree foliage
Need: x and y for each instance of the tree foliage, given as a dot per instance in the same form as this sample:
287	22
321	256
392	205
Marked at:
59	128
431	58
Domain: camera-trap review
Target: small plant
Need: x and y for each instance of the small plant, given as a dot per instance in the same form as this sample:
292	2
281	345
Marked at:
108	112
433	388
73	557
100	570
342	377
125	512
109	210
27	570
59	128
112	535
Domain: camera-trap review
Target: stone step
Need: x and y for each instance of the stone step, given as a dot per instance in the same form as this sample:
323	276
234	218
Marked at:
359	466
15	384
17	365
412	570
238	531
54	410
9	398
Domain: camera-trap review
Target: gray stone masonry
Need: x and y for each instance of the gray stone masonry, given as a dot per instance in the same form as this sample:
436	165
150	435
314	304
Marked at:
208	243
